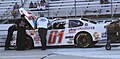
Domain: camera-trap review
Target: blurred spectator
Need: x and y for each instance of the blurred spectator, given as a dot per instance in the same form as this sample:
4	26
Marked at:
31	5
54	0
16	6
42	5
42	1
104	1
35	5
38	3
39	7
13	12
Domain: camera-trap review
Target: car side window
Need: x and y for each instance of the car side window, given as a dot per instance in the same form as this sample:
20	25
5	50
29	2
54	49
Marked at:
58	25
75	23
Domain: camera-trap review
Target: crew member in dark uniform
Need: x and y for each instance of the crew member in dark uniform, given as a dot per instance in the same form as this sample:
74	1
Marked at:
42	25
21	34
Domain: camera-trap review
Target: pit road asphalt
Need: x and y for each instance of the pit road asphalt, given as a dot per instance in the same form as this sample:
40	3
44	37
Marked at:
62	53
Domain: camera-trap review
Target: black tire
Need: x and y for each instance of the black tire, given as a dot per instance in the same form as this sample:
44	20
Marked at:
108	46
94	42
29	42
84	40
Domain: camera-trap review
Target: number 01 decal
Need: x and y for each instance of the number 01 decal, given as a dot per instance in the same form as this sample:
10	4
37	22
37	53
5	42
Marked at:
54	35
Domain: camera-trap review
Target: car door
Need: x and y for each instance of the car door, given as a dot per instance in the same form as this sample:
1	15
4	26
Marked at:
56	32
73	28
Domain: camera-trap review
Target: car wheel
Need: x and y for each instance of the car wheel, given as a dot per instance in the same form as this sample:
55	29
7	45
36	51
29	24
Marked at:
29	42
84	40
108	46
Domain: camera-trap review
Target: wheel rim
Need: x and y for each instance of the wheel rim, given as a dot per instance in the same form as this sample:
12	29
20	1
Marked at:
82	40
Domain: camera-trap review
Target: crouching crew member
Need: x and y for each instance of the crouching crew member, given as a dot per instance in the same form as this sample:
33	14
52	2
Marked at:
11	29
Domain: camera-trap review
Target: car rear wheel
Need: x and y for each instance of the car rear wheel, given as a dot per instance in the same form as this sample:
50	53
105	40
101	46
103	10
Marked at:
29	42
84	40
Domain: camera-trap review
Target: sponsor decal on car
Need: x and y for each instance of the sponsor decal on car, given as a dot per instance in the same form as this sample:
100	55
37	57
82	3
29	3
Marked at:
37	42
96	35
37	38
31	32
72	30
69	42
86	24
69	37
103	35
86	28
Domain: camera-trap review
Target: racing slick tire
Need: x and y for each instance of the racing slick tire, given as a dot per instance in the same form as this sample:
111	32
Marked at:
108	46
84	40
29	42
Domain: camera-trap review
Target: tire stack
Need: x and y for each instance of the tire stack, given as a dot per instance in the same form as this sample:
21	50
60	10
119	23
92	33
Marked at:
113	34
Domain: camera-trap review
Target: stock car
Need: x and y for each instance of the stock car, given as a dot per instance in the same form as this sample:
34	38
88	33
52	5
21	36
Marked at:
80	32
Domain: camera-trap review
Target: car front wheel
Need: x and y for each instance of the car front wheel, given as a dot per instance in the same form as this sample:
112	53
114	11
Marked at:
29	42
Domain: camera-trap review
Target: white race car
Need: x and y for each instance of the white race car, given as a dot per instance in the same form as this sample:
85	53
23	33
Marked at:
80	32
